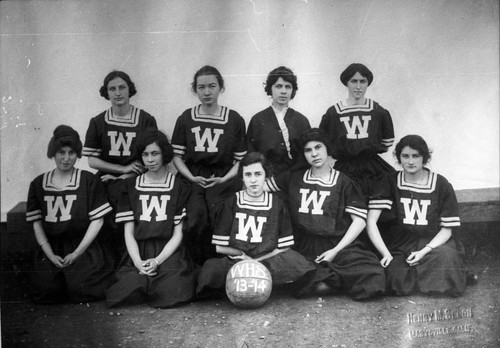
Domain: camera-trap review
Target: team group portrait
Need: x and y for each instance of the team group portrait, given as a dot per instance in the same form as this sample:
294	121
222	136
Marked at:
250	156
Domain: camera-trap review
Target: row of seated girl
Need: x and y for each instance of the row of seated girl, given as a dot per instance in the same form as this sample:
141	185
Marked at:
309	243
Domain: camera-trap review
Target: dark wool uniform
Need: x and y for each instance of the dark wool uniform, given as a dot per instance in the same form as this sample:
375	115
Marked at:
255	228
112	139
358	133
209	145
66	213
155	210
265	136
321	211
414	214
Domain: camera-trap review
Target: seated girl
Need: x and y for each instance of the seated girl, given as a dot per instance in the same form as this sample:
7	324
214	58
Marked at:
67	206
417	244
253	225
328	213
157	269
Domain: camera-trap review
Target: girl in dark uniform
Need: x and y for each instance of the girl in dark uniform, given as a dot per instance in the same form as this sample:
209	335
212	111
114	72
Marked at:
359	129
209	141
416	241
67	207
152	207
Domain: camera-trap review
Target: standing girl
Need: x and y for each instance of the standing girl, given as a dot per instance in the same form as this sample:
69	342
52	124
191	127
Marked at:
418	248
328	214
359	129
209	140
67	206
111	140
152	207
275	131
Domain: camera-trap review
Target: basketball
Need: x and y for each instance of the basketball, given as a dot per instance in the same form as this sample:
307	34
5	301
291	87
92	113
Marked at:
248	284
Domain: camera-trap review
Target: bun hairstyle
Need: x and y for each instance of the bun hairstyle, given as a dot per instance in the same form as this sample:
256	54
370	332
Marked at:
416	142
64	136
153	136
315	134
113	75
352	69
286	74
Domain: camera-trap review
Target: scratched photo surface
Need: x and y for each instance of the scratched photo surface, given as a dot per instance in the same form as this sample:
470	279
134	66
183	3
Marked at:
436	70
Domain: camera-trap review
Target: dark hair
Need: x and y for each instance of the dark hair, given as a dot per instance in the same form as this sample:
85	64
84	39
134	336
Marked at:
416	142
64	136
251	158
315	134
354	68
286	74
113	75
204	71
153	136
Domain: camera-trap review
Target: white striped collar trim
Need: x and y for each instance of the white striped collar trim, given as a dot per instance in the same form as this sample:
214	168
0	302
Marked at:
343	108
129	120
330	182
73	185
167	185
427	187
265	204
222	118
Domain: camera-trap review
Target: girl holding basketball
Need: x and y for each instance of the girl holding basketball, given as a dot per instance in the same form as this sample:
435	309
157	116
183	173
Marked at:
253	225
420	210
157	269
209	140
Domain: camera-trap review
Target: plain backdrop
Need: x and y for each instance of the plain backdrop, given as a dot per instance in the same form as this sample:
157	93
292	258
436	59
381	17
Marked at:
435	63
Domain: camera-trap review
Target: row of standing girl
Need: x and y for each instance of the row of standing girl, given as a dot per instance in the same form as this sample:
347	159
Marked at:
208	142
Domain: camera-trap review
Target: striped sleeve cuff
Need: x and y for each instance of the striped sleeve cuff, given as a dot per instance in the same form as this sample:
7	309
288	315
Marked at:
124	216
362	213
91	152
100	212
387	142
179	150
238	156
178	218
33	215
271	183
220	240
452	221
380	204
285	242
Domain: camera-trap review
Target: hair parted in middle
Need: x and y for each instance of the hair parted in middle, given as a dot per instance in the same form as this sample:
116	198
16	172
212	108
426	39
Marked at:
103	91
204	71
416	142
286	74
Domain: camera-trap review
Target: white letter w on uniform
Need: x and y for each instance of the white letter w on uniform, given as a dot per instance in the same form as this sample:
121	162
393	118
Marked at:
154	204
317	203
54	207
256	229
122	141
414	208
356	130
206	138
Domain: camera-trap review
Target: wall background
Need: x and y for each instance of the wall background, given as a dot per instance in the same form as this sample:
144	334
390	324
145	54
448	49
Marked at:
435	62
